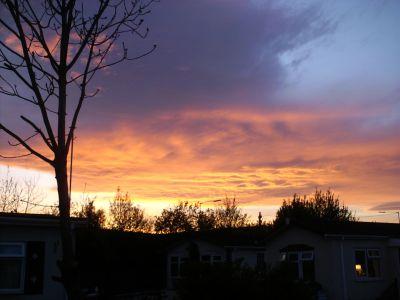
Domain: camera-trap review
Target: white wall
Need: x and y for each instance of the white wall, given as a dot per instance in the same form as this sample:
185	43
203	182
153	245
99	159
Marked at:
328	263
50	236
247	255
182	251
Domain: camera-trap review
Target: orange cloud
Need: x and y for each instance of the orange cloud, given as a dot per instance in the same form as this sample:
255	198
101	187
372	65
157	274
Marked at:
258	156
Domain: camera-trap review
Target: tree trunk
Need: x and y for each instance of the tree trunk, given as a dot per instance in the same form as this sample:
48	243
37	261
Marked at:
68	265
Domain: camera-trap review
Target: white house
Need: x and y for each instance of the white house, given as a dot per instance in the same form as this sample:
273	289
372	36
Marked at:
351	261
29	249
355	260
241	244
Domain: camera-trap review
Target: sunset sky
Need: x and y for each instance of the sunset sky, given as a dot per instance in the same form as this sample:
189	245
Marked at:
253	99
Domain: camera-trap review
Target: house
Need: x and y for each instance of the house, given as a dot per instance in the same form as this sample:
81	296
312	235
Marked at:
139	265
354	260
29	249
244	245
350	261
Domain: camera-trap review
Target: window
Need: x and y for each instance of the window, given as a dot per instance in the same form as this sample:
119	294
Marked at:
301	264
367	263
206	259
260	264
217	259
211	259
12	259
177	265
174	266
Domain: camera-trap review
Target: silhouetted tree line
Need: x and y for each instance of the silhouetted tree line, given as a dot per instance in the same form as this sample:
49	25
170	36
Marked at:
190	217
186	217
321	206
124	215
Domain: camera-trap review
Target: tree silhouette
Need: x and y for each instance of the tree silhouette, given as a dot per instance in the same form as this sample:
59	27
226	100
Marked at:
186	217
229	215
57	48
96	218
180	218
124	216
320	206
206	219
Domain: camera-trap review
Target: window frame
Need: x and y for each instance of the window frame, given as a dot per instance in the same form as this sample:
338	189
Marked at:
180	260
214	258
22	257
261	260
366	251
285	256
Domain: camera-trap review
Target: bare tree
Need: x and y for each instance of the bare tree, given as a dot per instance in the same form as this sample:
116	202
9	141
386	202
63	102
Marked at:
10	194
59	45
19	197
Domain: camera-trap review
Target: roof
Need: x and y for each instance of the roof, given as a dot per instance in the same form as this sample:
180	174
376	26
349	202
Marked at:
20	219
348	229
248	237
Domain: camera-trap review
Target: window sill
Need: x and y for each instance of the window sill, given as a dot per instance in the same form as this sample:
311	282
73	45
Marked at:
11	291
369	279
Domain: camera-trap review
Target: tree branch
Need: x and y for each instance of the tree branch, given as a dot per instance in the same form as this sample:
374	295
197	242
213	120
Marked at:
23	143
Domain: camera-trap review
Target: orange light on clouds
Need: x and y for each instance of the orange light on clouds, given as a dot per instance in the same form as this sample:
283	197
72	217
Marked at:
201	156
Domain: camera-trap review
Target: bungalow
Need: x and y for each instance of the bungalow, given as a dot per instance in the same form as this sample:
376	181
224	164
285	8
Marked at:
29	250
355	260
245	245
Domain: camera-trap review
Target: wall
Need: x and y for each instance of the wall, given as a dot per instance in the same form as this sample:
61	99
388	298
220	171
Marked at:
369	288
328	263
247	255
50	236
182	251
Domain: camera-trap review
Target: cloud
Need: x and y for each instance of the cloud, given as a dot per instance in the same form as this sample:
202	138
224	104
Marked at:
211	53
201	117
203	154
392	205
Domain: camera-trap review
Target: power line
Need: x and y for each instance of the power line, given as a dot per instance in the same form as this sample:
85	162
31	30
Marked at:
37	204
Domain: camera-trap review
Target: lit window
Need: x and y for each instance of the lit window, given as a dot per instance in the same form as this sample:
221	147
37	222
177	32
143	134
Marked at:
283	256
12	256
367	263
